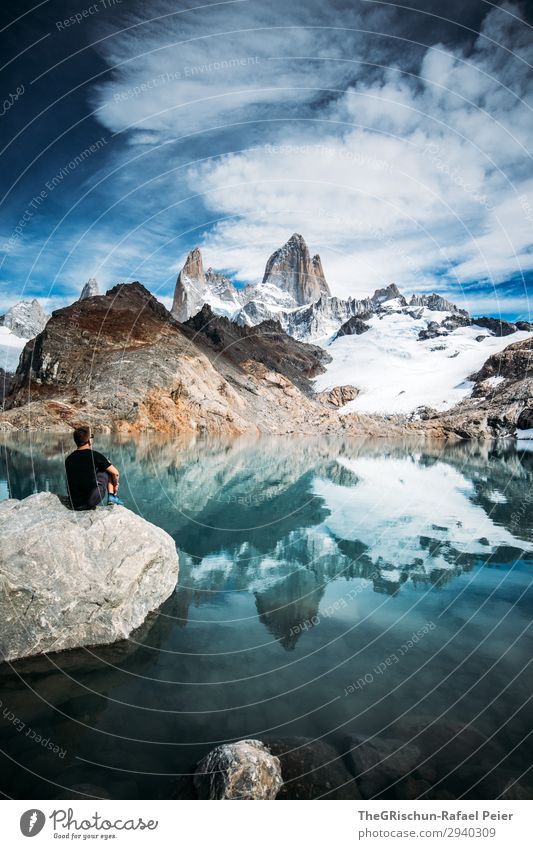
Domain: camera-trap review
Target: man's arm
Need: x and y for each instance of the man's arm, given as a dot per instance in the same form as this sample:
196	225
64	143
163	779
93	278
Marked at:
113	473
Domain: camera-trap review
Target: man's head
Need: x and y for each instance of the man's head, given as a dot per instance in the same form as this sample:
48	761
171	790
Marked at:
82	436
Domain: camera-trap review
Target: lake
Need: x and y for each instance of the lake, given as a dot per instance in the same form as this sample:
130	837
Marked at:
364	607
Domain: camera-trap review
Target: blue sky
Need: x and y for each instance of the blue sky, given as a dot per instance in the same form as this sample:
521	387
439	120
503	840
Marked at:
396	141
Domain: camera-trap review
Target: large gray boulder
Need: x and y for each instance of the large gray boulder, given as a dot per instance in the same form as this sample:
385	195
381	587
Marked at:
71	579
242	770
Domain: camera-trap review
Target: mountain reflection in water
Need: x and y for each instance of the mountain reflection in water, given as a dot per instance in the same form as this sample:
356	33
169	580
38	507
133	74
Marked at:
303	565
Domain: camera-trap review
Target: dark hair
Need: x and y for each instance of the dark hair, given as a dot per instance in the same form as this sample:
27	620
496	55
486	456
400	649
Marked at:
82	435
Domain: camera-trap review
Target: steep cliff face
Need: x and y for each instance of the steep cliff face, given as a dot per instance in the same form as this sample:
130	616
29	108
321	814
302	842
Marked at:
292	270
190	287
5	384
194	288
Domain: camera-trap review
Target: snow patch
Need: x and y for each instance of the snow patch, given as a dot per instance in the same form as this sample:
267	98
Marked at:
396	373
496	497
10	349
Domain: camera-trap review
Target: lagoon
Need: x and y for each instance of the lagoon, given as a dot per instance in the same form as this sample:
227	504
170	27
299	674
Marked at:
331	592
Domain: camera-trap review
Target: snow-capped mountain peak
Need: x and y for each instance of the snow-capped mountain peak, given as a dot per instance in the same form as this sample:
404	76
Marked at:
90	290
25	319
21	322
292	279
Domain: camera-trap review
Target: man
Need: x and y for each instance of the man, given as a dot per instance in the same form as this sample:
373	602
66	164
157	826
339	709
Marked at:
91	478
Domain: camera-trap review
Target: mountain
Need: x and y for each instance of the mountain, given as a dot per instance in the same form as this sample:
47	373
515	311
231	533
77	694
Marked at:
294	293
25	319
292	278
405	355
194	288
90	290
229	359
500	403
292	270
122	361
190	287
22	322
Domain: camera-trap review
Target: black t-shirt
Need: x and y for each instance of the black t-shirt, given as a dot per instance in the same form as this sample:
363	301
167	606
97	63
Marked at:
81	468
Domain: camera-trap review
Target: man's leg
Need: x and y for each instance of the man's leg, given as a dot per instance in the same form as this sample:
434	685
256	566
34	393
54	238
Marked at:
100	493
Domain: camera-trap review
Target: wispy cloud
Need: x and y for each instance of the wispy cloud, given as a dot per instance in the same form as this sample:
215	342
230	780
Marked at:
396	142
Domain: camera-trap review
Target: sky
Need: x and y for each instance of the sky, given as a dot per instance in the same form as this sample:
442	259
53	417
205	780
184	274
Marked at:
394	139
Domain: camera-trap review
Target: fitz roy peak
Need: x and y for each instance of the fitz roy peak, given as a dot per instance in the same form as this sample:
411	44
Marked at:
293	292
292	270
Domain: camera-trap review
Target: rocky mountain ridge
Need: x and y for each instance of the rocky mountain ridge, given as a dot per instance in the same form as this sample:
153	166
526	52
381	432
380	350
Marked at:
240	359
294	292
292	278
121	362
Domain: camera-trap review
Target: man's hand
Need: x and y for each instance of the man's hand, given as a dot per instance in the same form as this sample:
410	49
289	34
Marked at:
113	473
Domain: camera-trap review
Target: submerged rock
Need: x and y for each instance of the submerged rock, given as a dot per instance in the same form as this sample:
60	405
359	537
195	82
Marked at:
378	762
71	579
312	769
242	770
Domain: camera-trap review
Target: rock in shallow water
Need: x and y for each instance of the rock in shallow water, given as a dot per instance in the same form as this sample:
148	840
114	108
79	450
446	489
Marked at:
312	769
243	770
377	763
71	579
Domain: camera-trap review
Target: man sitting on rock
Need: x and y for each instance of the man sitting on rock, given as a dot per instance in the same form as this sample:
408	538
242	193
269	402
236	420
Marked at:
92	480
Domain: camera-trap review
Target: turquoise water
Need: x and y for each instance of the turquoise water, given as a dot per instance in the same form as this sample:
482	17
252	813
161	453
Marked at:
330	593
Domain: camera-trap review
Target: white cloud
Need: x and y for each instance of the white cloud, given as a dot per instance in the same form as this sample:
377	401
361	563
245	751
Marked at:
390	177
426	179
